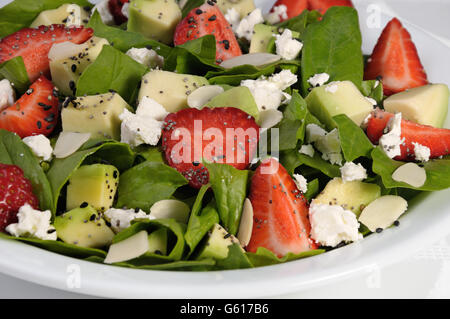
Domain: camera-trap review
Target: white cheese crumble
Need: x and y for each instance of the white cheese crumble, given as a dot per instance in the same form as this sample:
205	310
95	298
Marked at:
246	26
421	152
277	14
268	92
372	101
353	172
233	18
103	10
330	147
7	94
144	127
33	223
301	182
287	47
120	219
314	132
391	141
40	146
332	224
146	57
307	149
319	79
332	87
125	8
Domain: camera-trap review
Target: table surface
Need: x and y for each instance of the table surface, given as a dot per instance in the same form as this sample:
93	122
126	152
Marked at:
423	275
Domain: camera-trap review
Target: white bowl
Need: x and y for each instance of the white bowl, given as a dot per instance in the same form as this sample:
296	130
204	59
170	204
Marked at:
427	220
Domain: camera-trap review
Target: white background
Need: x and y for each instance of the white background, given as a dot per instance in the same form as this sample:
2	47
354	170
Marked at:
423	275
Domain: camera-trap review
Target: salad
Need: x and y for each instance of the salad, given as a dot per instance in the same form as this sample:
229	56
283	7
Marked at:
205	135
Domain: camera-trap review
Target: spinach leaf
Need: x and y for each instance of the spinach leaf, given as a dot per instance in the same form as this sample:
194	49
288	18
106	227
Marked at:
14	70
438	172
149	153
313	189
235	75
300	22
176	244
289	131
14	152
333	46
124	40
191	4
373	89
354	141
230	188
59	247
292	159
145	184
20	14
264	257
112	70
193	57
117	154
201	220
236	259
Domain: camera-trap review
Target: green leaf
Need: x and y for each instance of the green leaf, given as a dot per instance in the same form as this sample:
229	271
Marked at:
117	154
14	70
236	259
235	75
354	141
201	220
230	188
313	189
145	184
191	4
264	257
149	153
333	46
289	133
438	172
176	240
292	159
59	247
368	89
20	14
124	40
193	57
300	22
14	152
112	70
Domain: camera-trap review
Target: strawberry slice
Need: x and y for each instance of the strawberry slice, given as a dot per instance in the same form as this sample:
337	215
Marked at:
294	7
33	45
323	5
204	20
15	191
280	211
115	7
436	139
222	135
395	60
36	112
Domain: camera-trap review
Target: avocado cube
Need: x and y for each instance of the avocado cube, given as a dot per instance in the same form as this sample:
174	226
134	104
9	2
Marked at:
336	98
94	184
68	14
95	114
244	7
83	227
155	19
217	243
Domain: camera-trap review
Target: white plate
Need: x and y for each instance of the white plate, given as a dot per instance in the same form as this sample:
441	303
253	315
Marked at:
428	219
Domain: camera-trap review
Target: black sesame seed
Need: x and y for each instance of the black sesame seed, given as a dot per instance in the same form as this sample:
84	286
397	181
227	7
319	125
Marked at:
198	11
397	223
51	231
227	236
115	174
73	67
39	124
92	218
212	18
84	205
379	230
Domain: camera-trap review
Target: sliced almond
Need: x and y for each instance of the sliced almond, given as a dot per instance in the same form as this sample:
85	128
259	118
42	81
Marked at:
270	118
198	98
246	225
411	174
170	208
383	212
255	59
69	142
127	249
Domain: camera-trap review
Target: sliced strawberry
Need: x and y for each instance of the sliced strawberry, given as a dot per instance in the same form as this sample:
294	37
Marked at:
436	139
223	135
323	5
33	45
395	60
36	112
280	211
294	7
204	20
15	191
115	7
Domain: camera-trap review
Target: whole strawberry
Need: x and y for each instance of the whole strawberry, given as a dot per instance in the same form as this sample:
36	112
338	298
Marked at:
15	191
